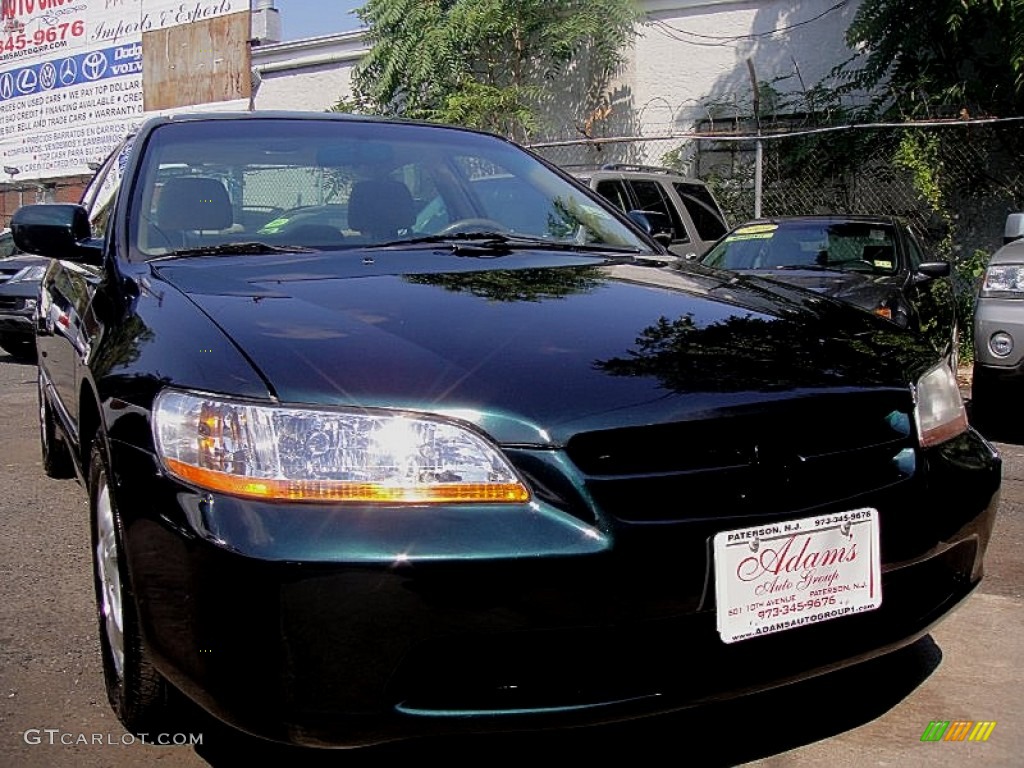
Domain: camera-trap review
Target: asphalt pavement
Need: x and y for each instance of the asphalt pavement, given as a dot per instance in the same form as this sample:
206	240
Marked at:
53	709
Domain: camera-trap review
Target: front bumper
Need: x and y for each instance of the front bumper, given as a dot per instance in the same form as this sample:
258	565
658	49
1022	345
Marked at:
326	626
999	316
16	315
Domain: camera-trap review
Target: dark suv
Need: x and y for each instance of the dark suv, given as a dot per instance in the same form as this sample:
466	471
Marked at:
19	288
682	206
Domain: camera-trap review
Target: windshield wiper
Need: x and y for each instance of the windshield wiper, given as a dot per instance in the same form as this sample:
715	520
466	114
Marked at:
807	267
234	249
499	242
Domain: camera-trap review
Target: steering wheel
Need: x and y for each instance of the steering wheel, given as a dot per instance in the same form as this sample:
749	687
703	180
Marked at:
472	225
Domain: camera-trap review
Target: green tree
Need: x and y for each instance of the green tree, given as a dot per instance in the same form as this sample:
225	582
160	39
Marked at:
491	64
940	57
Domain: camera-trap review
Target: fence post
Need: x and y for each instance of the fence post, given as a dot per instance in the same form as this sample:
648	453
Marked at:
758	148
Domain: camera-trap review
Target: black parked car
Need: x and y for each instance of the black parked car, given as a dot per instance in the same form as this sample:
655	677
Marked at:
873	262
496	471
19	289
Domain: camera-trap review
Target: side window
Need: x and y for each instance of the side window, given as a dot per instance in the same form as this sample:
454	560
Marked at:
651	198
703	210
615	192
913	251
100	196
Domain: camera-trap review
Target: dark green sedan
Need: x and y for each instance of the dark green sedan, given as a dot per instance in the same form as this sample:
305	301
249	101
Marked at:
462	461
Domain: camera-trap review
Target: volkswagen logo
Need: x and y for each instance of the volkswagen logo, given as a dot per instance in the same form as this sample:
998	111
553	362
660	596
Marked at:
27	80
47	75
94	65
68	71
6	86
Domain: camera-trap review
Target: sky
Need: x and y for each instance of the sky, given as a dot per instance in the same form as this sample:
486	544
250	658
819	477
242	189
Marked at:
309	18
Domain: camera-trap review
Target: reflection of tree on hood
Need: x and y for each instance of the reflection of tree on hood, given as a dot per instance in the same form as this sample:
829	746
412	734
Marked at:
744	353
517	284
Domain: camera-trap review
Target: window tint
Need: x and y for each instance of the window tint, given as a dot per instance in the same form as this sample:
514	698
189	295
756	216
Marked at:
615	192
703	210
348	184
651	198
101	194
913	251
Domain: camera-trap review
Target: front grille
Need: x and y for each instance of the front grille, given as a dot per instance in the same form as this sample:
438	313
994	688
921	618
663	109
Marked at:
777	457
12	303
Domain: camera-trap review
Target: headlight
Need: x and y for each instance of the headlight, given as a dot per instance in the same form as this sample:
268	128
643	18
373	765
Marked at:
939	410
1004	280
302	454
31	274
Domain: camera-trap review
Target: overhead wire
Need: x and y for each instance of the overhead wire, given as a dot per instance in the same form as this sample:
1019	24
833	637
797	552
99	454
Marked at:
683	35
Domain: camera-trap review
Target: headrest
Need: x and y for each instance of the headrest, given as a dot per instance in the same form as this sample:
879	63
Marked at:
193	203
380	208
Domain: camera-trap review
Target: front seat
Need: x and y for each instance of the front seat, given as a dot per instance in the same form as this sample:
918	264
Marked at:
188	206
380	208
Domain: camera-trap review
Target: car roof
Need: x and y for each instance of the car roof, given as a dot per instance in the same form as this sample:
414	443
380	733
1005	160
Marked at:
824	218
628	170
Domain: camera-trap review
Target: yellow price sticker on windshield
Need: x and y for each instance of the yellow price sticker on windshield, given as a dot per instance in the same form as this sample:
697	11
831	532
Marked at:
757	229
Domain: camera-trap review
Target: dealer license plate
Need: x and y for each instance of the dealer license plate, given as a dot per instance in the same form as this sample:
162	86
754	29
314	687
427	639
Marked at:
769	578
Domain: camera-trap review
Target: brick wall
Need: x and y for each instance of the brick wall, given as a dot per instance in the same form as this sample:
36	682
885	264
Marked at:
65	190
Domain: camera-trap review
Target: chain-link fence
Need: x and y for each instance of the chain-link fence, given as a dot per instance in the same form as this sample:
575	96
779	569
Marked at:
953	182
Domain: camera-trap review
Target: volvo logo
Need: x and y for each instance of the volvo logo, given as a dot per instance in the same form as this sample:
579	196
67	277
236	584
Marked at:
27	80
68	71
94	65
48	75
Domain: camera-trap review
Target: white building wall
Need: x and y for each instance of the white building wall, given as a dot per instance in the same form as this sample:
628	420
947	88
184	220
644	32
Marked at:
689	61
311	74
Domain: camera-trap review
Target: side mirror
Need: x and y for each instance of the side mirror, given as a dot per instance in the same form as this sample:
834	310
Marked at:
59	231
655	225
1014	228
934	269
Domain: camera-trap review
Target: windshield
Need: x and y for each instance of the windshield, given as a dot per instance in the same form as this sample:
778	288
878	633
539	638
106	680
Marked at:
813	245
337	184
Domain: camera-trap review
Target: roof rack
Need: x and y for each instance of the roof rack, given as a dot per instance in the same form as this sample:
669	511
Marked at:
633	167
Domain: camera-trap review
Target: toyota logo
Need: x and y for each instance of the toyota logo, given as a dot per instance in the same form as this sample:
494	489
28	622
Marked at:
48	75
94	65
27	80
6	86
68	71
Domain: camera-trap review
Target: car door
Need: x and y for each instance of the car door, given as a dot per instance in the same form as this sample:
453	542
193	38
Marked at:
65	323
650	196
706	220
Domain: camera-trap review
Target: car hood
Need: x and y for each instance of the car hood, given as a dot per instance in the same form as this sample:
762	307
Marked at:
13	264
536	351
861	290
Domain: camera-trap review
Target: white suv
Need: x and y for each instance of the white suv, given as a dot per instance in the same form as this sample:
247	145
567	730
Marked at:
999	330
683	206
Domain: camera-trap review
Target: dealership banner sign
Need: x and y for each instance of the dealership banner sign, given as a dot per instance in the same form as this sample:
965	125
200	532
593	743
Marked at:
72	78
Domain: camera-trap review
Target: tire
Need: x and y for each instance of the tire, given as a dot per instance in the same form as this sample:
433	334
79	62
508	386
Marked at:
984	400
138	694
57	462
22	350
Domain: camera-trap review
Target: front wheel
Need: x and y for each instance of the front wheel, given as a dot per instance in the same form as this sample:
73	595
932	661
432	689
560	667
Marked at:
139	695
57	461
